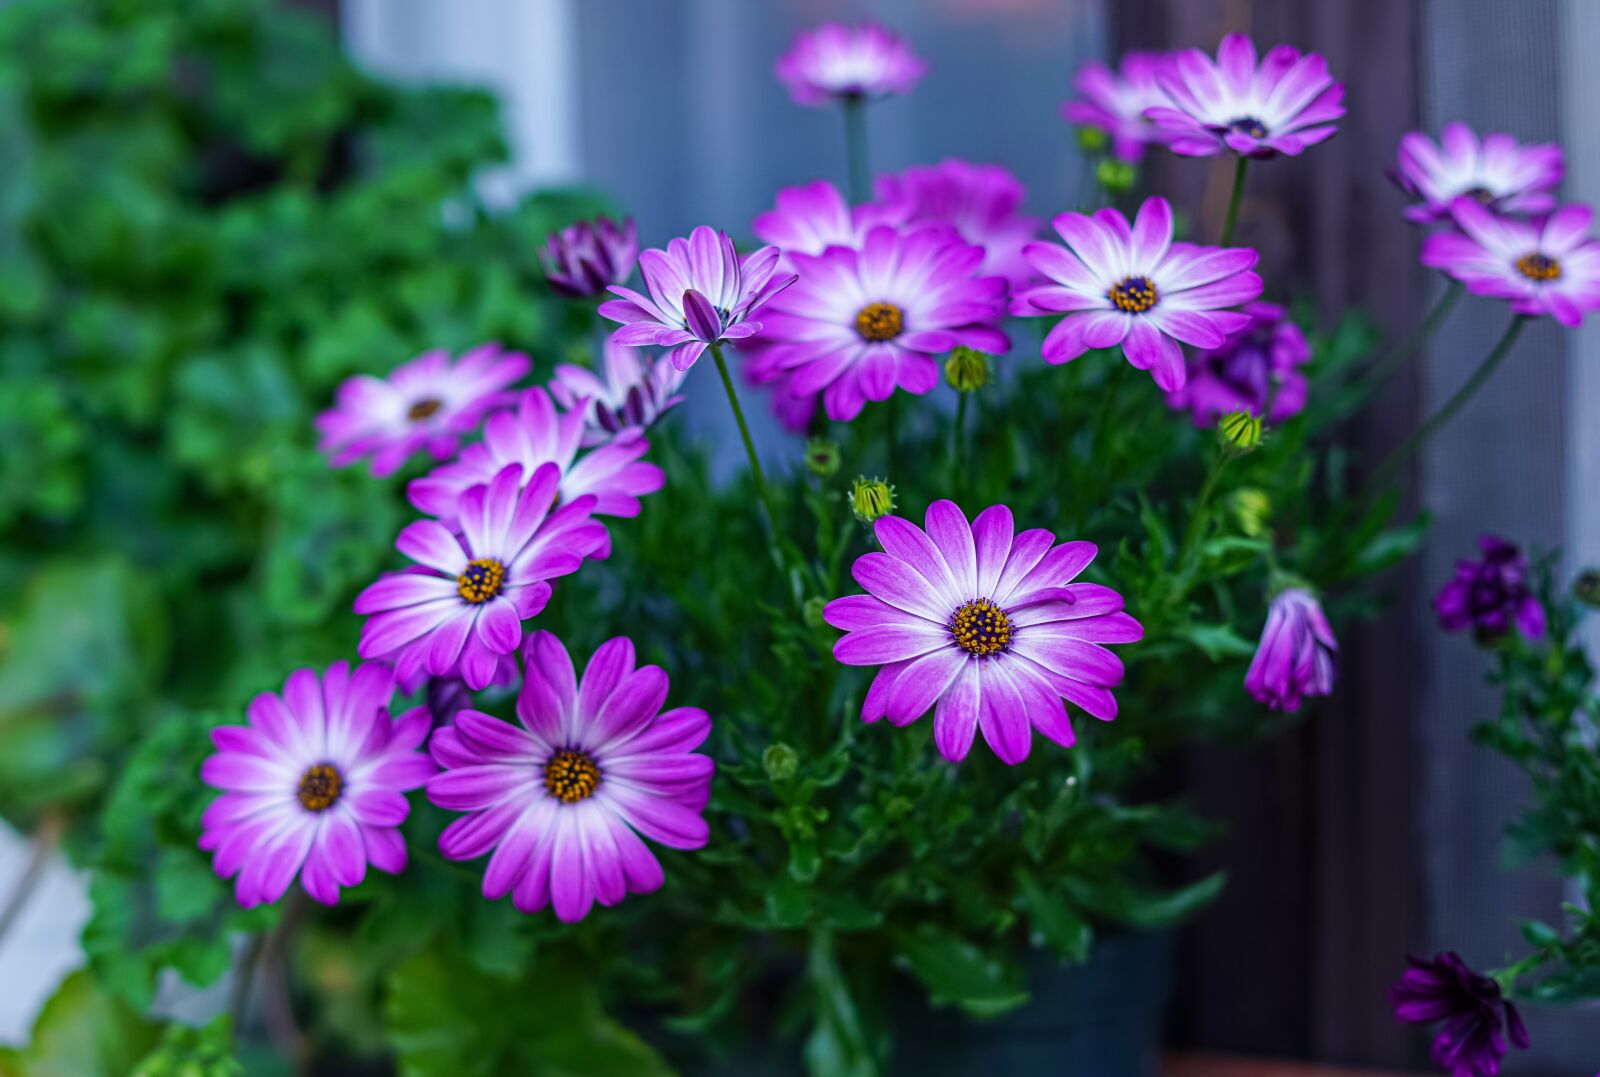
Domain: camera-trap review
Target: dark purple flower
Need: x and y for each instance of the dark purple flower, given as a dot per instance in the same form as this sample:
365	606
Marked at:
1477	1018
1491	596
1257	368
586	258
1295	657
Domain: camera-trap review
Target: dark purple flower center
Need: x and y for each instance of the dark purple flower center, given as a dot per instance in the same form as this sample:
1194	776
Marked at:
320	787
424	408
880	321
1133	295
481	581
980	627
571	775
1540	267
1248	125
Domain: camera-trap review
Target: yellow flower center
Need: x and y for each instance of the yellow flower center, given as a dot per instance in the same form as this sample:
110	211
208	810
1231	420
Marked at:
980	627
571	776
880	321
1133	295
1538	266
320	787
481	581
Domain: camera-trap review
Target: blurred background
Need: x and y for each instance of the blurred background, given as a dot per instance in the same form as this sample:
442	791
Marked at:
1368	832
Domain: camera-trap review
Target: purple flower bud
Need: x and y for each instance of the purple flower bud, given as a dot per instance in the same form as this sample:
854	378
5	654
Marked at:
586	258
1476	1017
1491	596
702	318
1296	655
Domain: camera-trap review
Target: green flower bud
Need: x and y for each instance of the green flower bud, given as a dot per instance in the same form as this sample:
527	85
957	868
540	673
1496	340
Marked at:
811	611
1092	139
871	498
967	370
1114	175
822	457
1586	588
1239	430
1251	510
780	761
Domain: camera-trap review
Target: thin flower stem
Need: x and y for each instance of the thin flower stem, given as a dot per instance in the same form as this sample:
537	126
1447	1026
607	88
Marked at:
1202	509
1384	366
958	441
1233	202
755	461
1384	475
855	147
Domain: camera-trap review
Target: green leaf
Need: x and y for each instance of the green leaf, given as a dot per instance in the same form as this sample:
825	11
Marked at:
956	972
1053	923
1217	642
1118	901
186	1051
82	1032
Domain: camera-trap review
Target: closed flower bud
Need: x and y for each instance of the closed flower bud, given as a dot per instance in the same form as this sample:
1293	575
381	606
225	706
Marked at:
1091	139
966	370
822	457
780	761
871	498
1114	175
812	611
1587	587
1239	430
1251	509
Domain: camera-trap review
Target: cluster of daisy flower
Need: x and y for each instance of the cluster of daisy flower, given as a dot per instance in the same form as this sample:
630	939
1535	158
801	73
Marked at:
990	629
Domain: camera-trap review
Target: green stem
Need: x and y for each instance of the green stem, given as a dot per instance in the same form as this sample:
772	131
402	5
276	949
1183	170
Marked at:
1438	420
750	451
1202	509
1233	202
855	147
1384	366
958	442
890	415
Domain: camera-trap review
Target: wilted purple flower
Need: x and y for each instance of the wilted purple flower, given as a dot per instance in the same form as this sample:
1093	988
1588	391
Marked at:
1492	595
701	293
427	403
635	392
985	626
463	606
1256	369
1548	266
314	784
1476	1016
981	202
536	434
586	258
1137	288
862	323
1116	101
562	798
1497	172
1295	657
1230	105
835	62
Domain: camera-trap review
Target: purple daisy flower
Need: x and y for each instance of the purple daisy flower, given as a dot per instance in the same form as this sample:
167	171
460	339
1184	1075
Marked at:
1257	369
463	606
863	321
635	392
1116	101
1296	655
427	403
1476	1016
793	411
834	62
701	293
1137	288
1497	172
563	800
532	436
1548	266
984	625
586	258
811	218
1491	596
1284	105
980	202
314	784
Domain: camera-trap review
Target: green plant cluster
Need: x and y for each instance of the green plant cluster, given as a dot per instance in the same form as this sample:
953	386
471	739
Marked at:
208	219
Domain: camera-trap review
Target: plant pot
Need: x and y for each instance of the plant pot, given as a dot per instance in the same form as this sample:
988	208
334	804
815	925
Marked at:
1102	1018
